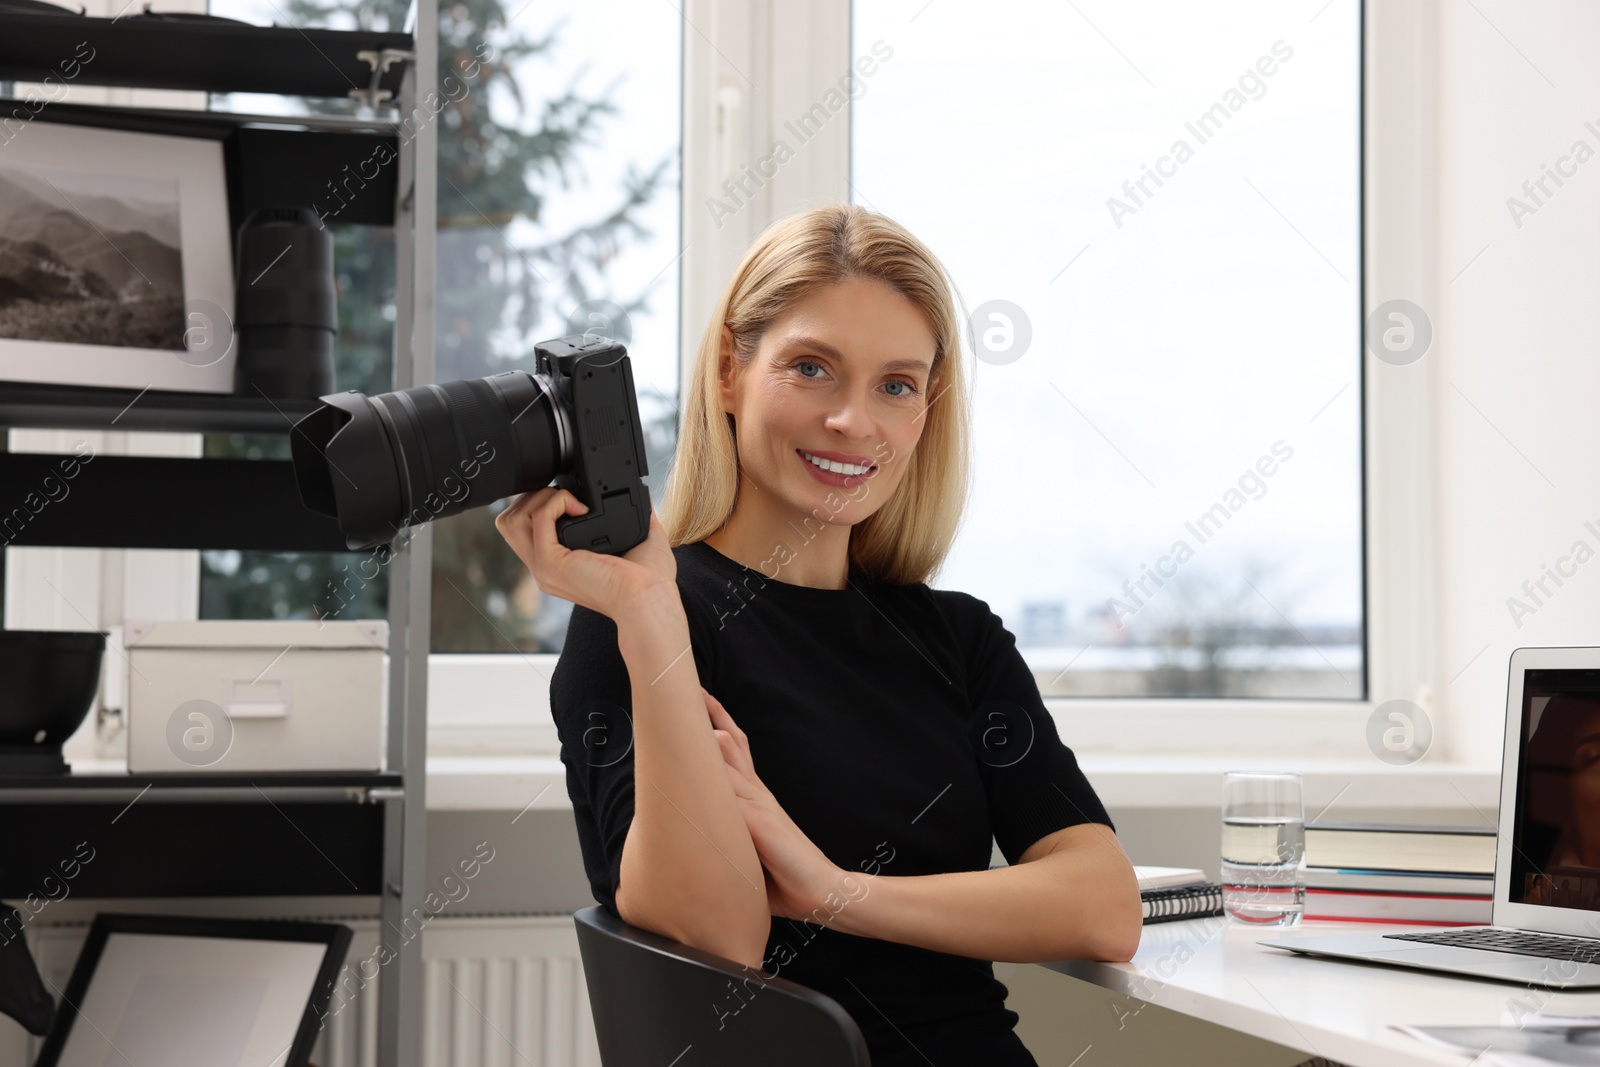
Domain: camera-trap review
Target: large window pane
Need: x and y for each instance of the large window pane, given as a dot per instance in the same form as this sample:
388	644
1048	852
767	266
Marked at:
558	202
1153	212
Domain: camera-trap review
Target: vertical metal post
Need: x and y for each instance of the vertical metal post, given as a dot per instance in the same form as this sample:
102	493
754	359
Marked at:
410	572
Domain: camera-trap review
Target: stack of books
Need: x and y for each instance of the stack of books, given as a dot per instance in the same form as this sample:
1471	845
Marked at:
1420	875
1177	893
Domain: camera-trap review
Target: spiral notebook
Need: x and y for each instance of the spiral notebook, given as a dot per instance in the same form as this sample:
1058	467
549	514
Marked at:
1172	893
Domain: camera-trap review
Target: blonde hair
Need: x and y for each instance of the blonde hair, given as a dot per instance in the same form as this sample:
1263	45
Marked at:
904	541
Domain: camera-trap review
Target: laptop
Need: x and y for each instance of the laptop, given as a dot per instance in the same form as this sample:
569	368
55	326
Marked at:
1546	909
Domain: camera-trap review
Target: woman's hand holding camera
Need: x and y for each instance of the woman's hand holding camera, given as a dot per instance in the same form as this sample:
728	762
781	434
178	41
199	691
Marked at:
600	582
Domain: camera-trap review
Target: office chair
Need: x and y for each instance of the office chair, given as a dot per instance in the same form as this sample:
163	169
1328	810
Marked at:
655	1000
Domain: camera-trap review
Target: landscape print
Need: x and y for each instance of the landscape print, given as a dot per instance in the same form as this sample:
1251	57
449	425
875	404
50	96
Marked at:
90	258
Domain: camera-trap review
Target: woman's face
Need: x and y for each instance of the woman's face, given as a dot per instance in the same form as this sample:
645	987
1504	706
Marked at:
844	373
1586	787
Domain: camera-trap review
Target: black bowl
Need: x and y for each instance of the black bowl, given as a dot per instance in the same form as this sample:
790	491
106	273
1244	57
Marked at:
50	678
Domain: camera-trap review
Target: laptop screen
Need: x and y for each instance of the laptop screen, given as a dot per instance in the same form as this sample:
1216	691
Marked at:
1556	837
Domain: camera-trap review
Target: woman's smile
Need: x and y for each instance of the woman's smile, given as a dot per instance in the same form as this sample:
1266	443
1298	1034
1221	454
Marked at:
829	477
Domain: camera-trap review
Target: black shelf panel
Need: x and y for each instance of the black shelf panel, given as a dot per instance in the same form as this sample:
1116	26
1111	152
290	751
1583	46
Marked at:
217	57
160	502
212	123
249	784
116	849
31	405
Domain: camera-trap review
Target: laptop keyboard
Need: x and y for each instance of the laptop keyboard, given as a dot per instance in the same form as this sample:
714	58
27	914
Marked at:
1491	939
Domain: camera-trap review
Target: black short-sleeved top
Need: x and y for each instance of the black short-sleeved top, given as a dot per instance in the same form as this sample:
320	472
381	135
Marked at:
898	726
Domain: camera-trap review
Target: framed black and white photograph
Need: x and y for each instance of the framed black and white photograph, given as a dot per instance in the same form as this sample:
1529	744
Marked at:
115	260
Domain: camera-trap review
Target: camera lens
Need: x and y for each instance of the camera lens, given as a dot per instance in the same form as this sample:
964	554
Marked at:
286	309
379	464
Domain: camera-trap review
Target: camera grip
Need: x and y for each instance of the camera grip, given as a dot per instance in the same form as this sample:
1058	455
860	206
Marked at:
614	524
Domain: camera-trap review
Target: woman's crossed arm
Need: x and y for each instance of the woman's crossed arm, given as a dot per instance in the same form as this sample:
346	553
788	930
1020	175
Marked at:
1071	895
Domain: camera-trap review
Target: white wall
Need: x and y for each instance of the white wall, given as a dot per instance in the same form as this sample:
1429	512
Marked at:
1518	381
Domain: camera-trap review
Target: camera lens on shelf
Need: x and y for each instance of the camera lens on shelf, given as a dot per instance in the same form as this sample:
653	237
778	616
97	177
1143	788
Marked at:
285	306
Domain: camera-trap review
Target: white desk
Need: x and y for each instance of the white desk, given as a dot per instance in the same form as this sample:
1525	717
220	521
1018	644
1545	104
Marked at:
1214	970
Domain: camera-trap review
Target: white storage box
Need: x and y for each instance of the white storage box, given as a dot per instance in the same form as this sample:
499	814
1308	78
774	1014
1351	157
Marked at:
247	695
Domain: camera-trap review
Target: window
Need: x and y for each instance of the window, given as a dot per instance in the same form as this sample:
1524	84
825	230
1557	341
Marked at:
1152	216
558	200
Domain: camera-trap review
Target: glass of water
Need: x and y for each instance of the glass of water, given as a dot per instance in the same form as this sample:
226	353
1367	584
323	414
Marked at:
1263	848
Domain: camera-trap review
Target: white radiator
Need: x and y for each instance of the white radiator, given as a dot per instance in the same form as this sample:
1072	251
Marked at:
496	992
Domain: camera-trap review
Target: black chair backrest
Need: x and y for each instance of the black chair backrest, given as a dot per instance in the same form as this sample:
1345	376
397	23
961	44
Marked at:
657	1002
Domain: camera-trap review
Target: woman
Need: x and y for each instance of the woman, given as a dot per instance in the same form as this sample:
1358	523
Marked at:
781	744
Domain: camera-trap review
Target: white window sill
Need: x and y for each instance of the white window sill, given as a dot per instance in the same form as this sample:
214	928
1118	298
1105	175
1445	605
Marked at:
497	783
518	783
1124	781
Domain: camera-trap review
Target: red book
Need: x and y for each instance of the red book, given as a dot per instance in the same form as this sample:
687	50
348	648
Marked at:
1436	909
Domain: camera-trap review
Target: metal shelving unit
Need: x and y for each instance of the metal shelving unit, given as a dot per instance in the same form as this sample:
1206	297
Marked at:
245	834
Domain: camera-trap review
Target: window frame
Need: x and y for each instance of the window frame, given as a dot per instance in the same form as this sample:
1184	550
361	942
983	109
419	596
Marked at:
739	83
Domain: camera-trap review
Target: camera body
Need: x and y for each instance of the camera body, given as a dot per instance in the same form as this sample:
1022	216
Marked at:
593	383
